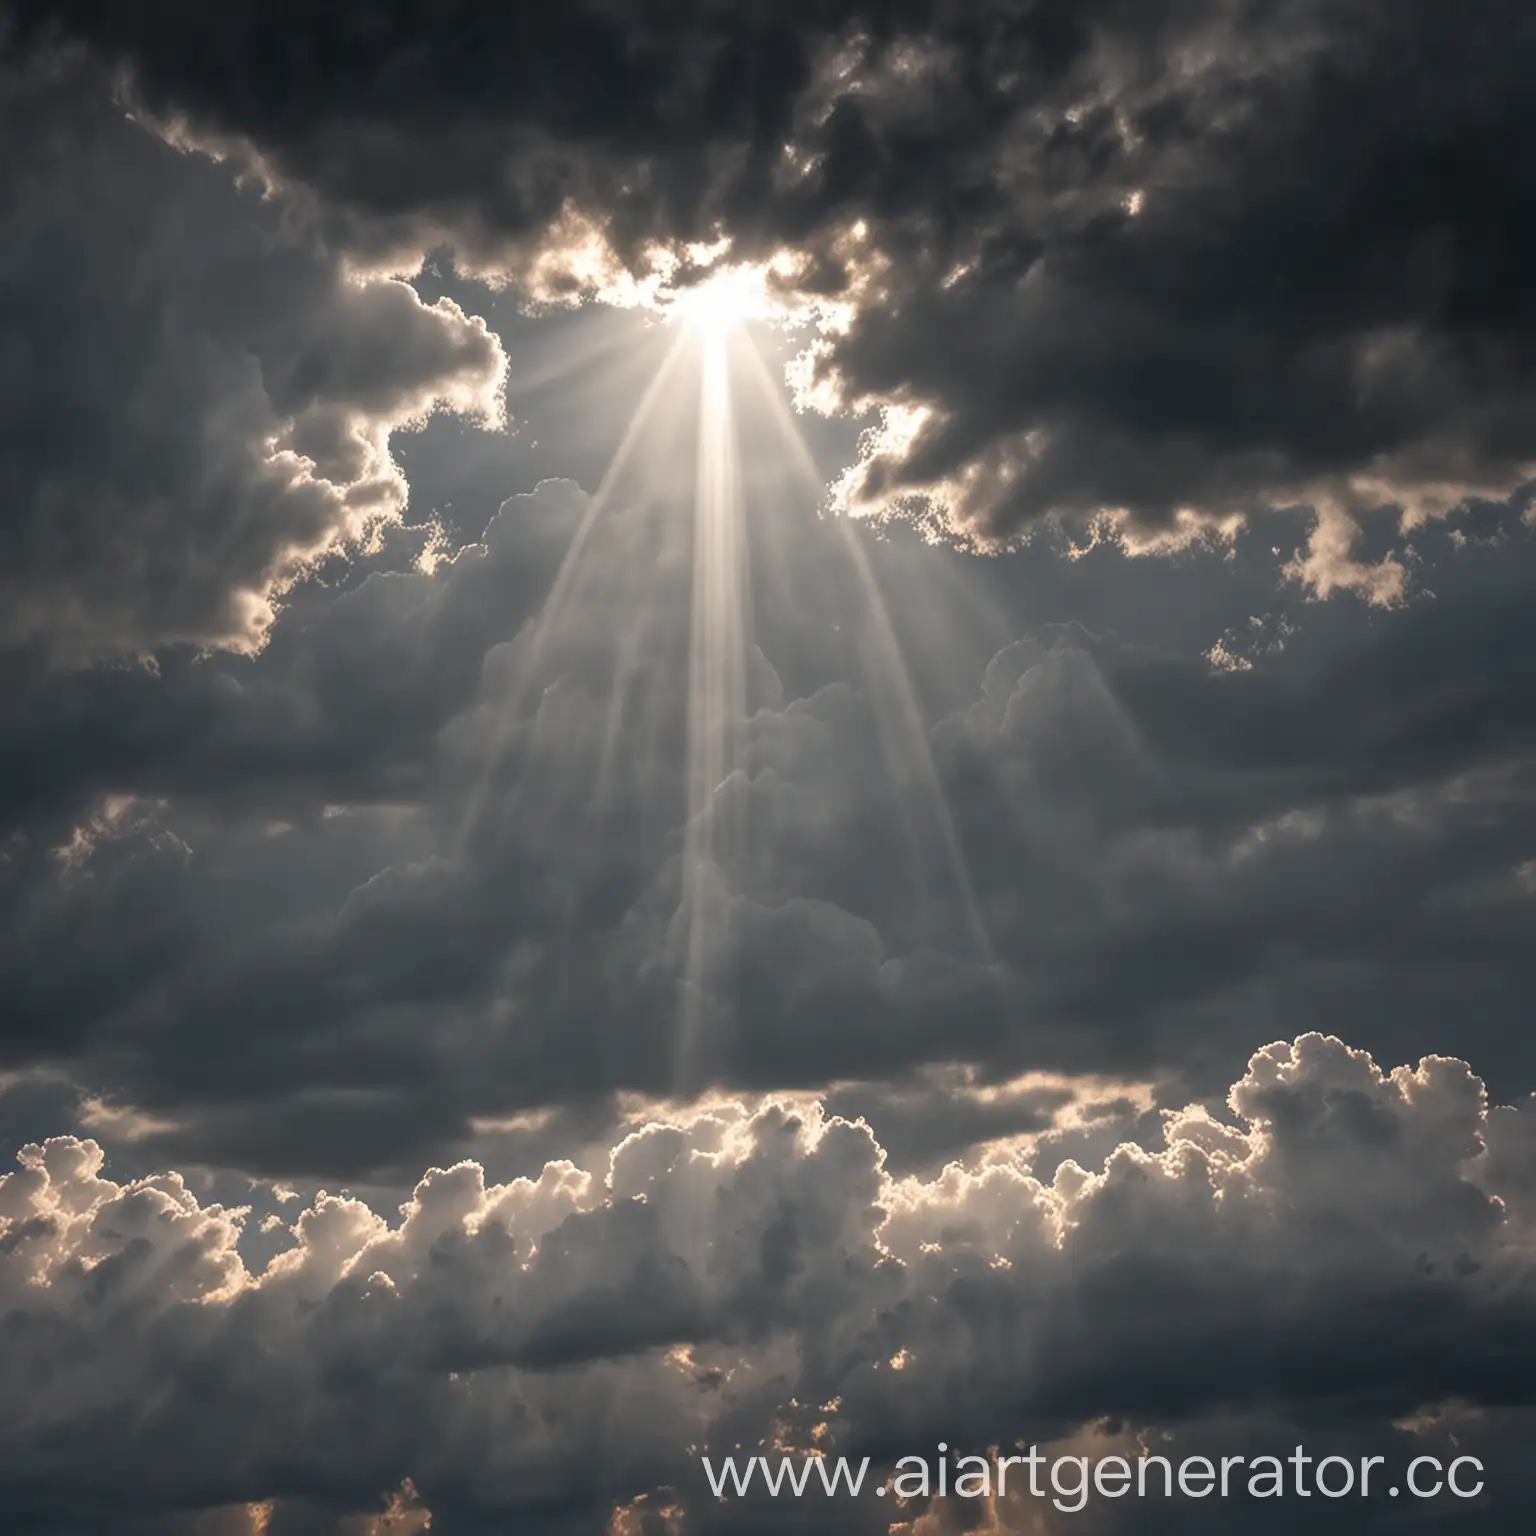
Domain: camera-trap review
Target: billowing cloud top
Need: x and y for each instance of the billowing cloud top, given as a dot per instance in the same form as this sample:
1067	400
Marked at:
539	1353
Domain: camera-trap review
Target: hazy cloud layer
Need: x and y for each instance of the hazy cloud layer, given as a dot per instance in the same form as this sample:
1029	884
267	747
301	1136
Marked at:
394	877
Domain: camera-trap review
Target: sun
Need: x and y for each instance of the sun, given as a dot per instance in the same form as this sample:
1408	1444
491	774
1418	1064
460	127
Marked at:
724	301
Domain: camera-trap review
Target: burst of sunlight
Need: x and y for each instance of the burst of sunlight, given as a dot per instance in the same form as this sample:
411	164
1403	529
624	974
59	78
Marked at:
649	588
726	299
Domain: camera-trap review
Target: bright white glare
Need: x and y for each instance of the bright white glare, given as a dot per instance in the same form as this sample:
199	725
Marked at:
726	299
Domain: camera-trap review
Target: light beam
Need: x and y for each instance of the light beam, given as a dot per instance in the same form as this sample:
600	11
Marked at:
712	842
898	717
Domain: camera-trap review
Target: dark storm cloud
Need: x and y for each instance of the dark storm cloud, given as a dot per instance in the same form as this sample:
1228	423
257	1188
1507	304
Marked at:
323	858
1172	261
1332	1250
197	402
346	900
343	707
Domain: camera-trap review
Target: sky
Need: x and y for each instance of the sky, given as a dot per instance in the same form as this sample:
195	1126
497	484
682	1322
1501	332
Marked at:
773	727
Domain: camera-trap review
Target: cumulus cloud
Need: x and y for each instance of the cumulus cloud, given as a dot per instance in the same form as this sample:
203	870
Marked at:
547	1350
198	398
1165	266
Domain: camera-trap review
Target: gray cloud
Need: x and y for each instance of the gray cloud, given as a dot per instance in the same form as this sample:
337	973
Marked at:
404	886
333	846
1334	1244
198	400
1168	262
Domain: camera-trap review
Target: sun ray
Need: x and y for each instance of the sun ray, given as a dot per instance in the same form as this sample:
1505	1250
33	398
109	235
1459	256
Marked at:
638	636
539	634
711	554
590	338
899	719
712	844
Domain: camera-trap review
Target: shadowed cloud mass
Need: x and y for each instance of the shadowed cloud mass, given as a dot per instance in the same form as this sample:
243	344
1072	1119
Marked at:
1172	264
845	822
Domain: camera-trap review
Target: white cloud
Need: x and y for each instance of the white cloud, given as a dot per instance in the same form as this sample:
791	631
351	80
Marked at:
568	1338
